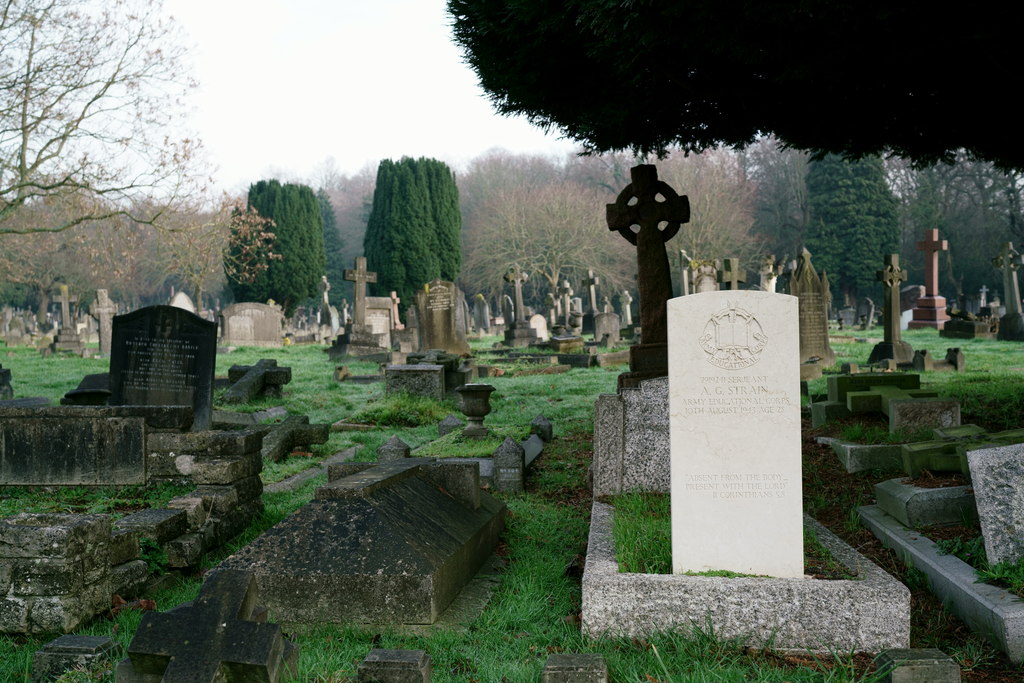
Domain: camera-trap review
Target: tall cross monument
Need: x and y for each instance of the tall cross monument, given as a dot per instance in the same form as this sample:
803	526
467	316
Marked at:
930	309
637	215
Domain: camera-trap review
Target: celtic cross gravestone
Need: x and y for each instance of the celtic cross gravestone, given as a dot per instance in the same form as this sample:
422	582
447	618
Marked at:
648	213
891	346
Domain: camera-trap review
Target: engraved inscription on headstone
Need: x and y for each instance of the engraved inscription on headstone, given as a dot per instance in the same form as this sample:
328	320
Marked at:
734	401
163	355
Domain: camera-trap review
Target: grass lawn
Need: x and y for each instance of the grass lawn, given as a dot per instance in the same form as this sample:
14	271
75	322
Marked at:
535	609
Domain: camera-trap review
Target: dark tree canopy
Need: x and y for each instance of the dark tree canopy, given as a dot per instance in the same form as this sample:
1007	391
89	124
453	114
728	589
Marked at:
299	240
852	78
413	232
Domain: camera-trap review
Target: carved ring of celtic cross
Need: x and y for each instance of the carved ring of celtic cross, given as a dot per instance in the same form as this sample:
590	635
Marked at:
639	204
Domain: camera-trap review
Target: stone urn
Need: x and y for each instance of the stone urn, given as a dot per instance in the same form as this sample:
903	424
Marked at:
476	404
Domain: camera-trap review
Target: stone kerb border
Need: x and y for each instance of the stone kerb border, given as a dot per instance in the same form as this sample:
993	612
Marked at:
992	612
865	615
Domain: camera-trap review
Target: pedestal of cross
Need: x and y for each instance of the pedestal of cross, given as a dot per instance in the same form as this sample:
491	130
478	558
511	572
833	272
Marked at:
930	310
637	215
891	346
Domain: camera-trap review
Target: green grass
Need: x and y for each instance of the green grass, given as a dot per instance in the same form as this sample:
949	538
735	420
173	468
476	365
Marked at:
971	550
642	533
117	502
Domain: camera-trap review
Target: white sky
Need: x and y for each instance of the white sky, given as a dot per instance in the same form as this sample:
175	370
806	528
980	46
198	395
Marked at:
285	84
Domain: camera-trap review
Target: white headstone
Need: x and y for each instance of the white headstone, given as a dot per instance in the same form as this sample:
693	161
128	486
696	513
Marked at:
540	325
734	401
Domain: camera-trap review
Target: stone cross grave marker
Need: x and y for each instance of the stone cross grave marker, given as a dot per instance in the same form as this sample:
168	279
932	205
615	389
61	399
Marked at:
638	206
590	284
730	274
163	355
983	296
892	346
396	321
769	273
215	638
734	407
565	292
1008	262
930	310
931	245
65	300
1011	325
517	277
360	276
103	308
625	308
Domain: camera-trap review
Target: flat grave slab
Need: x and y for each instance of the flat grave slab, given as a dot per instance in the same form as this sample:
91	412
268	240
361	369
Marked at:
384	545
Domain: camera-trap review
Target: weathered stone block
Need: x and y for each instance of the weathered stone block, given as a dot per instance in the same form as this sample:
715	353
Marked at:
52	535
917	665
418	380
196	513
128	578
917	414
919	507
70	652
395	666
575	668
160	525
123	546
184	551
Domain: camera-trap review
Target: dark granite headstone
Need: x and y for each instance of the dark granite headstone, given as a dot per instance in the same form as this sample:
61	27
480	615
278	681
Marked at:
162	355
436	310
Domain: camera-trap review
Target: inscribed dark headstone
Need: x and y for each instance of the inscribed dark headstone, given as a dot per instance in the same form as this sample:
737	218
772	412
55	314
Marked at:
436	309
812	293
163	355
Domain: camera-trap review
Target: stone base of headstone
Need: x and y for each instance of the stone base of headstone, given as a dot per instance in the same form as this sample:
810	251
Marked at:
917	665
866	614
810	370
519	335
68	342
565	344
929	312
1011	327
900	351
967	329
395	666
575	668
70	652
646	361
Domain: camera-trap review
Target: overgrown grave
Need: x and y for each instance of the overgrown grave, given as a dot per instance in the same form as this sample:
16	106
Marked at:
398	540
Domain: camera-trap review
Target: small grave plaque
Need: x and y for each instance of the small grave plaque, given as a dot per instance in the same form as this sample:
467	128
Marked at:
734	400
162	355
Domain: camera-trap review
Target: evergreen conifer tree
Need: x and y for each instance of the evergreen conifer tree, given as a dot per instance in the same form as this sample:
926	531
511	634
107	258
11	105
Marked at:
299	241
854	222
333	245
413	232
